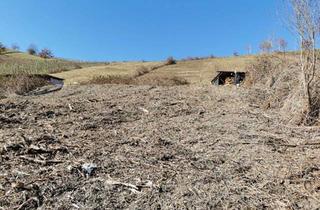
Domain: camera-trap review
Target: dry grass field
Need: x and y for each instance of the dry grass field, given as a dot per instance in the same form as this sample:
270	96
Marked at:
194	71
75	72
22	63
202	71
147	142
79	76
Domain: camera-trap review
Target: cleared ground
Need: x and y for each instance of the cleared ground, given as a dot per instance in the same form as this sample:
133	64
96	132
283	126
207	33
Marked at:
154	148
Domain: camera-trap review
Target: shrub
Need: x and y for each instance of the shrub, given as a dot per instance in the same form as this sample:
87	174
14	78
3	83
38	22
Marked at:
32	49
261	69
141	71
46	53
179	81
171	61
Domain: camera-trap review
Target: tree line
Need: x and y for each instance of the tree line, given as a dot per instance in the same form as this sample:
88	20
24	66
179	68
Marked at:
32	50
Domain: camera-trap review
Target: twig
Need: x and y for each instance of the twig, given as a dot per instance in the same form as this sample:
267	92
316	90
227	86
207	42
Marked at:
23	205
44	162
281	145
111	182
269	144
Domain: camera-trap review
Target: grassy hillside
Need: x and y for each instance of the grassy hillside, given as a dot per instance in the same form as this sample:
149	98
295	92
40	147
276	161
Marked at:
74	72
16	62
194	71
78	76
202	71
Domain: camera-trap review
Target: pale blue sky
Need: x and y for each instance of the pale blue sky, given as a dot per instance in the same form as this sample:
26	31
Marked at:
106	30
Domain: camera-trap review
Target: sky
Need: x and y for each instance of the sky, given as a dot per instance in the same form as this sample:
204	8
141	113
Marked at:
118	30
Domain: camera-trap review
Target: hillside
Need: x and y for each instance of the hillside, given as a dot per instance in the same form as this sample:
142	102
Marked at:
194	71
153	148
143	145
75	72
13	62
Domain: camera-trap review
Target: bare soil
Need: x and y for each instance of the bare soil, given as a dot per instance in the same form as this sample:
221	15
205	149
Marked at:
154	148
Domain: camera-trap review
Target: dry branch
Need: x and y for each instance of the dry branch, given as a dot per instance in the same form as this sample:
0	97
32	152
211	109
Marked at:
43	162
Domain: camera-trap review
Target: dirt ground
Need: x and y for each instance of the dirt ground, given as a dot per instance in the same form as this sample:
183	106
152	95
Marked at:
143	147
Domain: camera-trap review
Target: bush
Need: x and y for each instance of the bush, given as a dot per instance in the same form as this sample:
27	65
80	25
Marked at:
262	68
46	53
32	49
179	81
171	61
141	71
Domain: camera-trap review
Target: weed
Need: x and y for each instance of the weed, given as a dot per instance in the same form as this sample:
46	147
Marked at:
171	61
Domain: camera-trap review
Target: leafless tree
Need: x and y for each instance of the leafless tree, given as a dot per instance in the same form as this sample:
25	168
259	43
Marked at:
283	44
304	19
249	49
266	46
46	53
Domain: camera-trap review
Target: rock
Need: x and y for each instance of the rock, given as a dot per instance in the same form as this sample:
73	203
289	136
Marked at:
89	168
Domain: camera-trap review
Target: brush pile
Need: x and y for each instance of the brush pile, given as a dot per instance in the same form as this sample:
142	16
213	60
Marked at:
278	81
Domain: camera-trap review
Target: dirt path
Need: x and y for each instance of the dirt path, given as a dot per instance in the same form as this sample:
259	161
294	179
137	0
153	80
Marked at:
154	148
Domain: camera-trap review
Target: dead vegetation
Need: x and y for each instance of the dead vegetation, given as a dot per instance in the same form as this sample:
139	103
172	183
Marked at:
279	84
141	71
170	61
112	79
114	147
20	84
139	78
127	80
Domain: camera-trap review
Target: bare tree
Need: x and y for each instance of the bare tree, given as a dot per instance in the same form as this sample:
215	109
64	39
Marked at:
249	49
46	53
304	19
283	44
266	46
